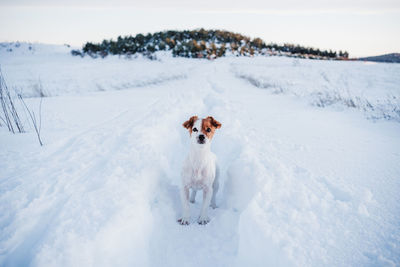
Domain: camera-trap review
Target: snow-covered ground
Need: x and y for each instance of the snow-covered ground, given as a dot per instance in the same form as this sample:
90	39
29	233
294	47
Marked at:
302	185
368	86
53	69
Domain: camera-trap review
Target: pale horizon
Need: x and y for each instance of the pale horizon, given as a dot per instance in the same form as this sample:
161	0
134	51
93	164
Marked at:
363	28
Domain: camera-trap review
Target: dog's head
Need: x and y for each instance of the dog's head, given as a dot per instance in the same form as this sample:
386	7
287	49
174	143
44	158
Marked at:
201	130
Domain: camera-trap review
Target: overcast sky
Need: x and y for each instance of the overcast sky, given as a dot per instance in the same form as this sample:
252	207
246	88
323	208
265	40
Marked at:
363	28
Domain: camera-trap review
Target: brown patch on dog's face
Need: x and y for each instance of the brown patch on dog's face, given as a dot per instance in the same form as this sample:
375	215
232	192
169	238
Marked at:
189	123
208	126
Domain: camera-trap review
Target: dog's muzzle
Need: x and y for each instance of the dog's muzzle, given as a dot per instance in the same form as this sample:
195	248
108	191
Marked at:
201	139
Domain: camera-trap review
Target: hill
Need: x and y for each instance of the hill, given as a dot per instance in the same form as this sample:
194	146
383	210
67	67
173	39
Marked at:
201	44
389	58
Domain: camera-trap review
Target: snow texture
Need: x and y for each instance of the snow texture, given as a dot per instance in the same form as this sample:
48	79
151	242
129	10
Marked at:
301	185
370	87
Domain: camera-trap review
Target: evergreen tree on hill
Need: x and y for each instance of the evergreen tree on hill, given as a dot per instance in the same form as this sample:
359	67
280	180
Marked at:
200	44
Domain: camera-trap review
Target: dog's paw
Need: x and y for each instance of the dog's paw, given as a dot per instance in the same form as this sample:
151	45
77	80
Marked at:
192	201
203	220
183	221
213	205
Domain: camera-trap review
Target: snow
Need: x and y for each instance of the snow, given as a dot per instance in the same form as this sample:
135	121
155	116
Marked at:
301	185
59	73
372	88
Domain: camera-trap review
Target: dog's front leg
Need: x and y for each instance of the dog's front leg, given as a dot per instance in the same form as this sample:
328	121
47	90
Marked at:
207	194
185	206
215	190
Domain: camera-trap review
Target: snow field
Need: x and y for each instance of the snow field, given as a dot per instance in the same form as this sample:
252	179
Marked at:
59	73
369	87
320	186
300	185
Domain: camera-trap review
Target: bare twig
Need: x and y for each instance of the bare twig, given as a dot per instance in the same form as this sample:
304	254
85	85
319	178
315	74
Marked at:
1	118
3	100
33	118
40	115
12	109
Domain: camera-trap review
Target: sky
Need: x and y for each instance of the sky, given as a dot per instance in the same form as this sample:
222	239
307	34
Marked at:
361	27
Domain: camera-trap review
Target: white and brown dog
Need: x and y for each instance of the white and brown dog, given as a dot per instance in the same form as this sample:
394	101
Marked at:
200	170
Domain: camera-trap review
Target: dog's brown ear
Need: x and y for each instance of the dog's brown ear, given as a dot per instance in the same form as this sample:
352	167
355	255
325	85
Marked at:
214	122
189	123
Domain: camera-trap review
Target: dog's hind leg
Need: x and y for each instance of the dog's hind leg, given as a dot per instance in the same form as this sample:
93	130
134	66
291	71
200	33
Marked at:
193	196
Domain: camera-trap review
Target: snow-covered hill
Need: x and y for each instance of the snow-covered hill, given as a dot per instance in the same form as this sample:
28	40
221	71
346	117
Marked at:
302	185
389	58
59	73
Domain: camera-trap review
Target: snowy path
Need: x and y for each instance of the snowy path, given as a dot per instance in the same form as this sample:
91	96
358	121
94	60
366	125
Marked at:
300	185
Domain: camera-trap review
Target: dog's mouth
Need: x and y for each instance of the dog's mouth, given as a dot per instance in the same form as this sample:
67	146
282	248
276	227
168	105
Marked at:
201	142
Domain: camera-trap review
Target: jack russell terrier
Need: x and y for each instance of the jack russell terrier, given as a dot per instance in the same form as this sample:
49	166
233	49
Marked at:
200	170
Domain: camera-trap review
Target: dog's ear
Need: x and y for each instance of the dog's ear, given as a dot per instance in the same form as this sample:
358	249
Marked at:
189	123
214	122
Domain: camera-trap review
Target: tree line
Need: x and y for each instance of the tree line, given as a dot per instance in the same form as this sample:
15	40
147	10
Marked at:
200	43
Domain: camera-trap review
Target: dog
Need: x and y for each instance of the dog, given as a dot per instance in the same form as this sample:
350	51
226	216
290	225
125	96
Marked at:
200	170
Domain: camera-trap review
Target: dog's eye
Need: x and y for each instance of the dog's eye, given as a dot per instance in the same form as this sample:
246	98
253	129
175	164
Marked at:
208	130
194	129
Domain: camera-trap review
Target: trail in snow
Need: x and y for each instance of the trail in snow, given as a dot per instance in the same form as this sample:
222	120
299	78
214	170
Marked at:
300	185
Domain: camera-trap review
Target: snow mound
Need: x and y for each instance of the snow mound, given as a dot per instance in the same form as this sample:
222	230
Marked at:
50	70
15	50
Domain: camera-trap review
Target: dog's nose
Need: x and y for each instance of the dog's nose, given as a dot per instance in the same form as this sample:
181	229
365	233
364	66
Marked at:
201	137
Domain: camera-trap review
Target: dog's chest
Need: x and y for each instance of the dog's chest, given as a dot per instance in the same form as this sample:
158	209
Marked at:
199	171
199	177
